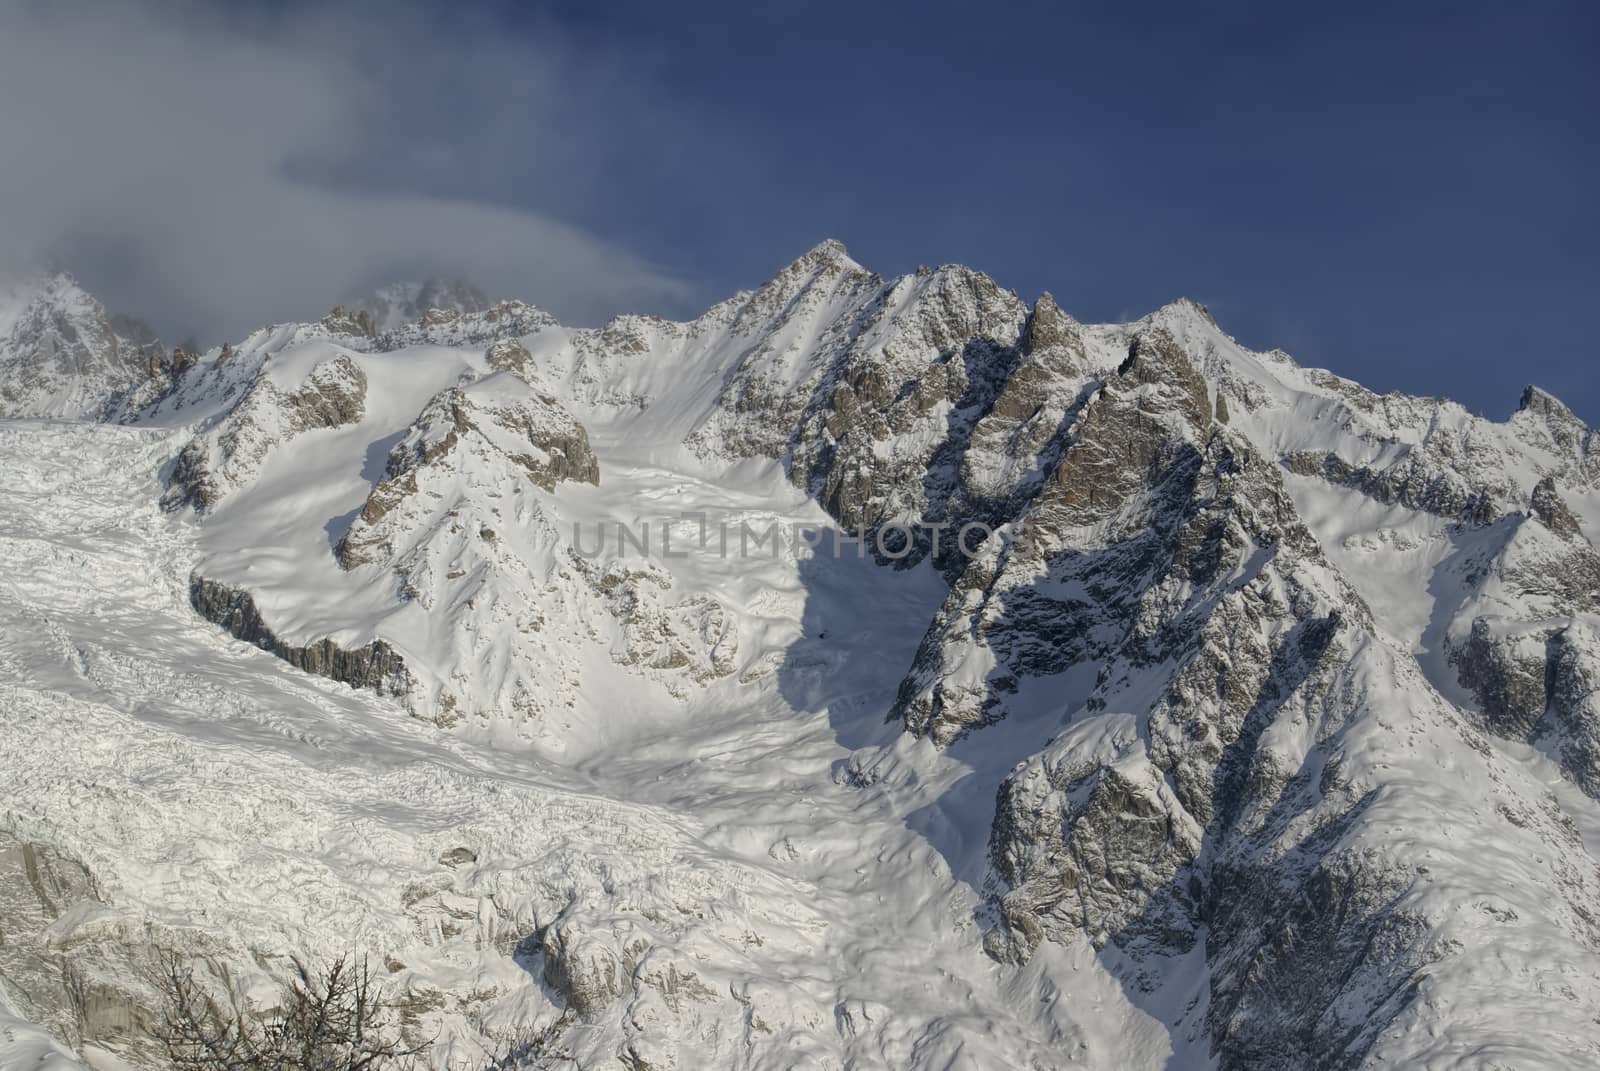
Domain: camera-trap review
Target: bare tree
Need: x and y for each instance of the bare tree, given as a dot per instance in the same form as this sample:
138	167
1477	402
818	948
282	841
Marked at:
333	1019
535	1050
196	1031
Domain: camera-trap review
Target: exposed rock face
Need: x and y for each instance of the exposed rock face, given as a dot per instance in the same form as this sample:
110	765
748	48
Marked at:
498	416
1155	580
1572	677
926	399
36	887
1107	520
1142	829
85	991
1018	441
591	968
1089	839
393	306
1311	962
509	355
1507	675
63	356
797	326
1162	546
232	450
1411	482
332	396
376	667
1542	418
466	327
354	323
1552	511
888	424
1528	646
1235	665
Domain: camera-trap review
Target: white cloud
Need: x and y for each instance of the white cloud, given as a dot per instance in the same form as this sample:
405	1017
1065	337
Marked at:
161	153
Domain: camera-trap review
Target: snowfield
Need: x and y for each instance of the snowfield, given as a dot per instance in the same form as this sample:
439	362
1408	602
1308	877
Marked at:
1264	732
233	808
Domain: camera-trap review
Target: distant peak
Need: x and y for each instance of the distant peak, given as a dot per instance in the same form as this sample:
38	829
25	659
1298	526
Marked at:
1542	403
56	290
830	248
48	284
1047	325
1187	306
404	302
823	265
829	254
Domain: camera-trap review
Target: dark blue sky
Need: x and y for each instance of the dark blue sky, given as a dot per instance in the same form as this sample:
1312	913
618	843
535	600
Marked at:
1402	192
1405	193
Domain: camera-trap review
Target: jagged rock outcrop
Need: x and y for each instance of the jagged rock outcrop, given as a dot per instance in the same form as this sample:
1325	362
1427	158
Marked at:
466	327
1165	546
233	449
1507	675
498	417
1544	420
1411	482
509	355
1528	651
924	400
63	356
355	323
1552	511
1018	441
1309	971
1088	838
885	432
397	304
376	666
1103	525
1572	688
1235	651
1171	543
590	967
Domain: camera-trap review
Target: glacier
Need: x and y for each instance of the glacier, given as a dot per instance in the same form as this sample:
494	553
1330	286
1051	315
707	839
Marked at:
1261	732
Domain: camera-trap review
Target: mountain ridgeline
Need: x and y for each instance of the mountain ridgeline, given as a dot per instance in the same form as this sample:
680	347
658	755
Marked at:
1280	696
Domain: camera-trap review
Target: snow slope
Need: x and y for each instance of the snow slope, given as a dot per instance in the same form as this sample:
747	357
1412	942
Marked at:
1262	733
232	807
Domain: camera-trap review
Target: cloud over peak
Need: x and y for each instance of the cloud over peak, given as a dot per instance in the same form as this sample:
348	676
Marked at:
211	173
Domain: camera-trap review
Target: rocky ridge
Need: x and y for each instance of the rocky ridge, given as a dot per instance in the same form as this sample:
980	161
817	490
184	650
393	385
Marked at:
63	356
1182	664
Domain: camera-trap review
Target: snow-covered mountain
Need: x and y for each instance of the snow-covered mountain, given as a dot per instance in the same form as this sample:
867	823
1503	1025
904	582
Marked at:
868	673
398	304
63	356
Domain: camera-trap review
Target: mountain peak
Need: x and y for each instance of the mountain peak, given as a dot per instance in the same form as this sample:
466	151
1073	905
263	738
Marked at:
62	355
1185	308
829	254
1048	324
1192	587
399	303
1542	403
830	248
